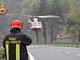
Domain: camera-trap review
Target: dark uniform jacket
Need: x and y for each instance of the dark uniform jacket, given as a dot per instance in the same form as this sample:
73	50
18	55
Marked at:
15	45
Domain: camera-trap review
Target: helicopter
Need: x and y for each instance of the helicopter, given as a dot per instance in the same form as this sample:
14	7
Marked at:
34	23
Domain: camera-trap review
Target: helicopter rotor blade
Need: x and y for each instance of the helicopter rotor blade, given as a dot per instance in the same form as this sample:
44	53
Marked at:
46	16
49	16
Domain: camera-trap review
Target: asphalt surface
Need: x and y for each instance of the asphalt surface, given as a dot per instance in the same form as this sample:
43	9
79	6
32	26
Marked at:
54	53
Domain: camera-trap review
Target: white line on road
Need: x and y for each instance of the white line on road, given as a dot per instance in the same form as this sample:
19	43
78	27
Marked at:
30	56
67	52
78	54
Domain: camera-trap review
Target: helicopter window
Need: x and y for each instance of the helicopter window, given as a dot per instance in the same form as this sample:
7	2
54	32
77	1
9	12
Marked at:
36	24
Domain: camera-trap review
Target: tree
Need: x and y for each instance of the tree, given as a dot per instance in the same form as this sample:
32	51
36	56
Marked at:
55	10
74	18
42	9
35	6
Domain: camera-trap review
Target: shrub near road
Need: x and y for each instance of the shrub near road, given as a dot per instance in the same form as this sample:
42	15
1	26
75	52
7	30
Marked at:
1	52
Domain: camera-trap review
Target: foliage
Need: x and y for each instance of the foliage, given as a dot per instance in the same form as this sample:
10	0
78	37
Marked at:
73	17
1	52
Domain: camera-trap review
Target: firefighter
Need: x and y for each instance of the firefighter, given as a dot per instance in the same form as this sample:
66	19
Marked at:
15	43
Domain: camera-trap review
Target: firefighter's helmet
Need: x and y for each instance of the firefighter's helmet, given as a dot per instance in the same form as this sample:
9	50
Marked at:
16	24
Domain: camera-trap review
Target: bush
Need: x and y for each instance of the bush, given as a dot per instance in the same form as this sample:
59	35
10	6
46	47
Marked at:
1	52
0	55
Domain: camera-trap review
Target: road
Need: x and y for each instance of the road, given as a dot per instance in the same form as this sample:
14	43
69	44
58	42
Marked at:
54	53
